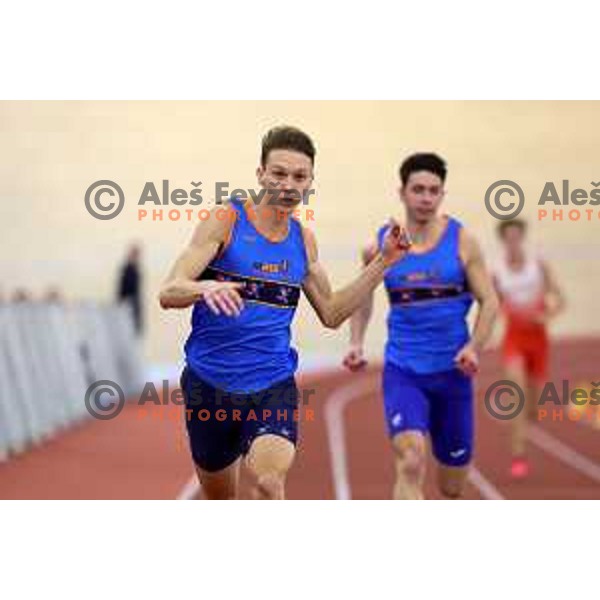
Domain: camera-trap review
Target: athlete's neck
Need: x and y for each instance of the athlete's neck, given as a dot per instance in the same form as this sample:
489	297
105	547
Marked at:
422	233
515	257
272	221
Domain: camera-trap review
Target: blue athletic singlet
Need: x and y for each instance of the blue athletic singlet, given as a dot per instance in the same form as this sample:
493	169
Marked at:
253	351
429	302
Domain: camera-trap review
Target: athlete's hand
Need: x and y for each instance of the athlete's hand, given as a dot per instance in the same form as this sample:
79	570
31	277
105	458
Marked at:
354	359
396	243
223	297
467	360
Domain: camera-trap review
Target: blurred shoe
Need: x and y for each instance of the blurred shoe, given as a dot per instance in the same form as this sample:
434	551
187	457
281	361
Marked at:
519	468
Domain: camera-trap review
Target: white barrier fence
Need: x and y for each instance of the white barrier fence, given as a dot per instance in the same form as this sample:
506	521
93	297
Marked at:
49	356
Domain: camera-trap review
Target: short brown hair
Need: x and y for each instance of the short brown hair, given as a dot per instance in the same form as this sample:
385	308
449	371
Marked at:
504	225
287	138
423	161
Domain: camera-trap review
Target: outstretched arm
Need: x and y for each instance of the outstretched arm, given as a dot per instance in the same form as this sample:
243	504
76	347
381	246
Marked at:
334	307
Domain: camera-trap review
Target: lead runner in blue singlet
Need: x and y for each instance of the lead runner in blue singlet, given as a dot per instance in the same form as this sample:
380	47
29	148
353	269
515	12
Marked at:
430	357
243	274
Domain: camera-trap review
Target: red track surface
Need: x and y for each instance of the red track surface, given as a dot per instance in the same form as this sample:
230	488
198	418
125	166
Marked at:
135	457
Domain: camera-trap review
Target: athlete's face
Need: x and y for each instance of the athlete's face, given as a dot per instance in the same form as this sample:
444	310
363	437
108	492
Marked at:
422	195
288	176
513	239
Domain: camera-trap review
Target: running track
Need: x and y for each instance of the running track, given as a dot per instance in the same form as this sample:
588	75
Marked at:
343	452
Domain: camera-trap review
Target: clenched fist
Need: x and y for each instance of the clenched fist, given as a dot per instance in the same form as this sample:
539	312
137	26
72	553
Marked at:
354	359
396	243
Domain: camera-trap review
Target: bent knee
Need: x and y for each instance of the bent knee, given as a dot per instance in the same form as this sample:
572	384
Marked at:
270	486
411	465
410	458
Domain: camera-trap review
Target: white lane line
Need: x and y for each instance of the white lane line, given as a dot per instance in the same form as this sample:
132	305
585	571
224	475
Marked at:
487	490
334	421
190	490
542	439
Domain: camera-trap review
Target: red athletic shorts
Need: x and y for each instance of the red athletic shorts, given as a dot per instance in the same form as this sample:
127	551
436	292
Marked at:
527	343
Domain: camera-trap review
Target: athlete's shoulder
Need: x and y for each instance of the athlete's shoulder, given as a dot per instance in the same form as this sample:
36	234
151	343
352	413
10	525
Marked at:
310	242
216	227
455	222
469	246
464	231
380	235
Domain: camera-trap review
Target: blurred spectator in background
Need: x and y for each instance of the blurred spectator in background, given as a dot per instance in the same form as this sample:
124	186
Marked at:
22	295
130	285
53	295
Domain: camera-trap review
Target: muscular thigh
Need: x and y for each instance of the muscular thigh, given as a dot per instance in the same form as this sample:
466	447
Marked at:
406	407
451	428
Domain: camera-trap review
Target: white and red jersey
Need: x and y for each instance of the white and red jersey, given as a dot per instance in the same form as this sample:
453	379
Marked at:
522	291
